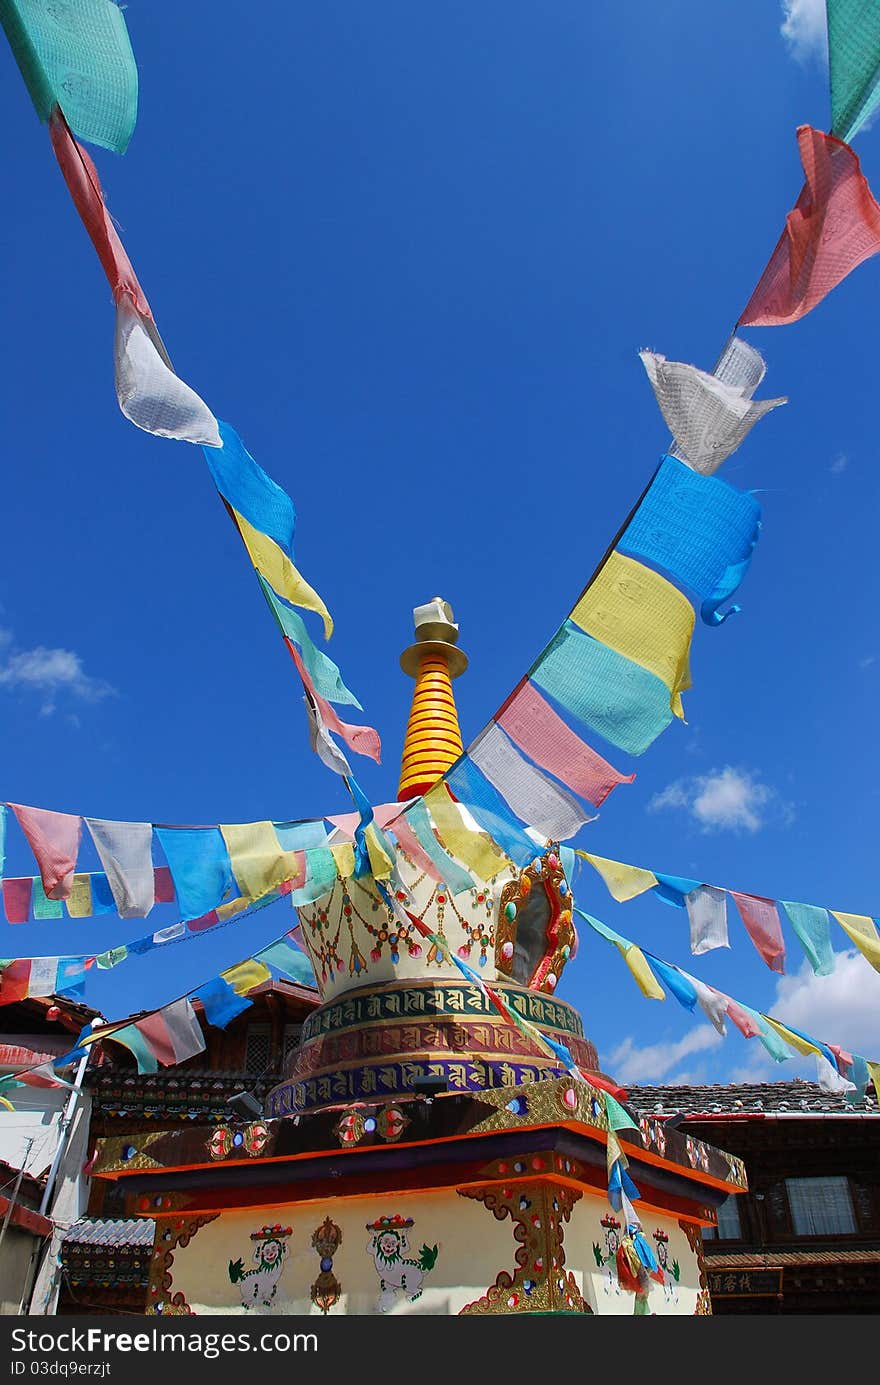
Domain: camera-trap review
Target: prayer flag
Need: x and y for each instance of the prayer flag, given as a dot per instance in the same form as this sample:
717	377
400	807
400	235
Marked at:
834	226
200	867
763	927
259	862
707	913
707	417
470	787
43	906
273	564
173	1033
125	849
220	1002
416	819
531	722
84	186
77	55
475	849
639	614
250	490
863	932
290	960
854	60
531	795
624	882
622	701
148	391
17	898
675	980
323	672
700	529
363	740
54	839
244	976
813	928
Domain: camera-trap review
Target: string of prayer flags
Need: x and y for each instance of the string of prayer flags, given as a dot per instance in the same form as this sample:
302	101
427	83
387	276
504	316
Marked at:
54	839
273	564
707	417
777	1038
541	733
614	696
700	529
41	976
200	867
531	795
125	849
325	676
829	1078
149	393
635	959
863	932
77	55
624	882
761	921
834	226
639	614
854	62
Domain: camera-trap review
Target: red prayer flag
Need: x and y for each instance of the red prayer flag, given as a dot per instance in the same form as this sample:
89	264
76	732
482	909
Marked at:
834	226
163	885
14	981
84	186
531	722
54	839
17	899
761	919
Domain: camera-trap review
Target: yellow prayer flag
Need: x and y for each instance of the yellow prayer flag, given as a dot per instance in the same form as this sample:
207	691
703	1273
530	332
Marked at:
273	563
259	862
476	850
863	932
79	901
642	973
644	617
245	975
874	1070
231	908
343	855
381	864
614	1152
793	1040
624	882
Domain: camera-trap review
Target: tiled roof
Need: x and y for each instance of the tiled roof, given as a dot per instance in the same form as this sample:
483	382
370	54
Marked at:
746	1098
804	1255
136	1231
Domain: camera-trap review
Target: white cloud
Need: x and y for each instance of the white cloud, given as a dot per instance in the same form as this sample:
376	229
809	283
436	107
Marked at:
868	660
48	672
840	464
729	798
805	29
632	1061
843	1008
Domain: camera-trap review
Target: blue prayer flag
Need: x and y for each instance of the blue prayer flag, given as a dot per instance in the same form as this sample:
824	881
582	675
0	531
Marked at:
200	867
471	787
244	483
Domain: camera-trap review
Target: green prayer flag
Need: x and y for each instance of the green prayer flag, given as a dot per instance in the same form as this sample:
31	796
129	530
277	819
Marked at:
76	54
854	60
44	907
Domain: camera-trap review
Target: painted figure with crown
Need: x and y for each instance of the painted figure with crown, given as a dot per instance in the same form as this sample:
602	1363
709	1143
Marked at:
442	1095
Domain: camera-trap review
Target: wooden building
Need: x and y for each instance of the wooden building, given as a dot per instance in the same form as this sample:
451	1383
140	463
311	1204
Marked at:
805	1238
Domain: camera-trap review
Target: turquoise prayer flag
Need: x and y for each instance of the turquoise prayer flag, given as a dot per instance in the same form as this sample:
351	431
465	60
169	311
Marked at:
76	54
854	63
290	960
609	693
813	927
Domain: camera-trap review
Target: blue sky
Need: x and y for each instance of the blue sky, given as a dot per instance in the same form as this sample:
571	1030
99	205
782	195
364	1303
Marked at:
411	253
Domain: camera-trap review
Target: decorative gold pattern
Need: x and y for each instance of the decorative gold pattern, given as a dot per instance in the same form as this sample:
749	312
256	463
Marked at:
695	1241
541	1103
170	1235
540	1283
545	873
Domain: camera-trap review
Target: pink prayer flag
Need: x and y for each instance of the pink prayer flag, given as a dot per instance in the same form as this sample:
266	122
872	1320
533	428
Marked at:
761	919
84	186
15	981
163	885
531	722
383	813
363	740
413	847
742	1019
173	1033
834	226
54	839
844	1059
17	899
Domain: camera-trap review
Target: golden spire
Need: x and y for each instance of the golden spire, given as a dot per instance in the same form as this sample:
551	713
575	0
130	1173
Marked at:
433	738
